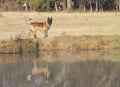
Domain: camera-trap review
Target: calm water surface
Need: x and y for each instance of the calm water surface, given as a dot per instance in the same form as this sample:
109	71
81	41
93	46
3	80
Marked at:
78	69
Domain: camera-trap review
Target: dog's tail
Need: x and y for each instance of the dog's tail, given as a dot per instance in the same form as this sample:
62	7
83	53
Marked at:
27	20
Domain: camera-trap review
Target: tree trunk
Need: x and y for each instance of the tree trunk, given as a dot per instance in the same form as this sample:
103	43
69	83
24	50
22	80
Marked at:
69	4
119	7
116	5
64	4
56	9
102	8
26	7
84	8
91	7
96	6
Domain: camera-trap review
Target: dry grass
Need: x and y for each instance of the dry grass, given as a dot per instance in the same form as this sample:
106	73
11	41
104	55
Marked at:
9	47
69	31
76	43
13	23
64	43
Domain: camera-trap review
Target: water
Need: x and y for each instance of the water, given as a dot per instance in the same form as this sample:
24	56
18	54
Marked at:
79	69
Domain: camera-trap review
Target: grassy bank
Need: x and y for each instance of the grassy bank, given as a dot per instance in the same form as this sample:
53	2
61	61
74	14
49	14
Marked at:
66	43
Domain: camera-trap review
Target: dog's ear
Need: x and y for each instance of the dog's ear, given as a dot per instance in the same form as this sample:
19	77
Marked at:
51	18
48	18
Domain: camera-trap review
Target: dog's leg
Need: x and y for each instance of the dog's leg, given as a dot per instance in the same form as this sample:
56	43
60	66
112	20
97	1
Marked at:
34	34
45	33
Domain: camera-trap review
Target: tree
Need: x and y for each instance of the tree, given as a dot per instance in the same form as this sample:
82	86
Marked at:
117	5
69	4
35	3
57	4
91	9
64	4
96	5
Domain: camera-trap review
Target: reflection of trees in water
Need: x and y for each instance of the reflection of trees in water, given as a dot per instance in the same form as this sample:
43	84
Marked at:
67	70
94	74
9	59
62	56
15	75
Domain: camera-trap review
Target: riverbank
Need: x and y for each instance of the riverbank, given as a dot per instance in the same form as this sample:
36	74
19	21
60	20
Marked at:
62	43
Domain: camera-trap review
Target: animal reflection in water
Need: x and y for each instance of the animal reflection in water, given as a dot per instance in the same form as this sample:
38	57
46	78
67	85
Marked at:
38	74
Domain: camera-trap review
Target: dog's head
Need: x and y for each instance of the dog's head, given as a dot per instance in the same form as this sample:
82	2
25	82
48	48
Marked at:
49	20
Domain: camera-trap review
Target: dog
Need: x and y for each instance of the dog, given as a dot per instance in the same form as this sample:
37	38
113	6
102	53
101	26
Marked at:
42	26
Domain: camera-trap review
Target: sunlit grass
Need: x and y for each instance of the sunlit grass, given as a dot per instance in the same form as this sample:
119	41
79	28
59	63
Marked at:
65	43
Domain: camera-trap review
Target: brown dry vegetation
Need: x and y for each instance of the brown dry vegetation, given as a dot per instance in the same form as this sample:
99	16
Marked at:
65	43
69	32
76	43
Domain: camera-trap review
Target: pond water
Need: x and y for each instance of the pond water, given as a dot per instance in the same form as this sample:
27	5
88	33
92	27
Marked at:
78	69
